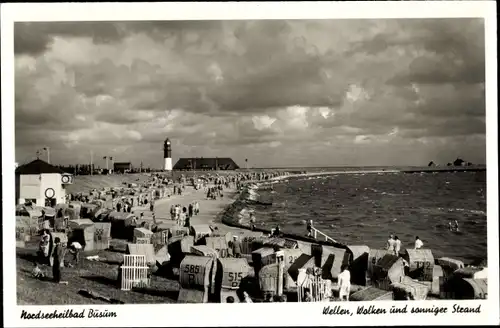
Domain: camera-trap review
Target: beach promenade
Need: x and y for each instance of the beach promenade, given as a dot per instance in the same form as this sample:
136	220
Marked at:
209	209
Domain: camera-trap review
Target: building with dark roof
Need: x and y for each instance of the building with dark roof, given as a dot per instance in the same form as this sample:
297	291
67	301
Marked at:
206	164
122	167
38	167
41	184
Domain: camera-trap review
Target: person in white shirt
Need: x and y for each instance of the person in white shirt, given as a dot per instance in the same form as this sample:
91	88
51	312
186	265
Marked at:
390	243
344	281
74	249
418	243
397	245
247	298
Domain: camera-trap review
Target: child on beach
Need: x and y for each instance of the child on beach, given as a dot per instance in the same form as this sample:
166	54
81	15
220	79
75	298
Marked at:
37	272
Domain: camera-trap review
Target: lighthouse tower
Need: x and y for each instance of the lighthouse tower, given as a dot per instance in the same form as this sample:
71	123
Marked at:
167	155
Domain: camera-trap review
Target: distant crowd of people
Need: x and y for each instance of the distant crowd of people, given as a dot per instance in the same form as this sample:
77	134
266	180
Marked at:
182	214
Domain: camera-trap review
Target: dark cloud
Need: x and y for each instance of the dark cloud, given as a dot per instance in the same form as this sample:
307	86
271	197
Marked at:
266	87
35	38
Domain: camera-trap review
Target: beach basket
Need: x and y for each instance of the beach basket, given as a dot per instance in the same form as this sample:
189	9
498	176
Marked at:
409	289
26	228
300	263
219	244
230	274
262	257
200	231
437	281
62	236
179	231
84	234
203	250
161	255
468	289
371	294
195	274
268	278
160	237
290	257
471	273
143	234
227	236
358	263
179	246
421	263
276	242
474	289
335	258
357	251
374	255
77	206
388	270
449	265
102	235
142	249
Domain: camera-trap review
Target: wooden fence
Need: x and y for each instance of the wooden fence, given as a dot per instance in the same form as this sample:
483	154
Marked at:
320	289
134	272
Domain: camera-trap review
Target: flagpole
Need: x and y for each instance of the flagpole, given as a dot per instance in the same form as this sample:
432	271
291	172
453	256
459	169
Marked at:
48	153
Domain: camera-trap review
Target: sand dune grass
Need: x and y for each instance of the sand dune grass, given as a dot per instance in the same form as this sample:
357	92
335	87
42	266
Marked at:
95	276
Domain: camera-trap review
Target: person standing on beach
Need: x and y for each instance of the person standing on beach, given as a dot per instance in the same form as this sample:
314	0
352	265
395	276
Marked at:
276	232
344	281
309	228
196	208
172	212
397	245
236	246
390	244
183	216
418	243
190	210
44	246
58	260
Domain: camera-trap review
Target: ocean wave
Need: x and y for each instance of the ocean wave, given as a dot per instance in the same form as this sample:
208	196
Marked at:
437	210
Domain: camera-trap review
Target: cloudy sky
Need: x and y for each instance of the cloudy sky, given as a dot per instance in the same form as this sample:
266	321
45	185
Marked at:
280	93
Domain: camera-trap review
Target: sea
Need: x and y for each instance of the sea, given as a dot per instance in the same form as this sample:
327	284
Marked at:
362	208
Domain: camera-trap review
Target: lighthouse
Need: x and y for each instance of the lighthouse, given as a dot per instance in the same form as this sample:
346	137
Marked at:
167	155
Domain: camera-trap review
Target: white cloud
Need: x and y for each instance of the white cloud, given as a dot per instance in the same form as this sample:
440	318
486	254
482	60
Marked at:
262	122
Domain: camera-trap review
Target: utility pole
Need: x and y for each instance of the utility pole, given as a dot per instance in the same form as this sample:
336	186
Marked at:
91	166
